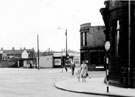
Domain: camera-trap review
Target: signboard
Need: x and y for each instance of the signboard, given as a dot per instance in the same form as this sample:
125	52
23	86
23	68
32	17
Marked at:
57	54
107	45
57	62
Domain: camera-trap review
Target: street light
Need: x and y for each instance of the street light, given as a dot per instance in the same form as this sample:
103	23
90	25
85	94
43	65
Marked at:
66	45
107	47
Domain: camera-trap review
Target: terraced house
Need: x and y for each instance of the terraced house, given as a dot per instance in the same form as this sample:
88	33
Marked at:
18	58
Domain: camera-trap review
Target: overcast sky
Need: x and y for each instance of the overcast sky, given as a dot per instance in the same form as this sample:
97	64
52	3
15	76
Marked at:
22	20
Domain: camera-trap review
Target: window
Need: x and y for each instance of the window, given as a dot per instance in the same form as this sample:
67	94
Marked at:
83	39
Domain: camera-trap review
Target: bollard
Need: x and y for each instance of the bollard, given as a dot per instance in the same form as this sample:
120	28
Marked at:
107	73
107	47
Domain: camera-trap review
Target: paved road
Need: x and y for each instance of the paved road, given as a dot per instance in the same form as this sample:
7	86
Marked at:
36	83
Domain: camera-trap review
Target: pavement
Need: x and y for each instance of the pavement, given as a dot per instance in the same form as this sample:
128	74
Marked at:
94	86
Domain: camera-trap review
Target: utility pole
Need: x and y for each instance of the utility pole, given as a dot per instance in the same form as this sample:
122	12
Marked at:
38	51
66	44
66	51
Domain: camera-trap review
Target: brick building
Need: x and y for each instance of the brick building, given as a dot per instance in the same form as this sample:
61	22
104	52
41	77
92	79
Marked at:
119	20
92	45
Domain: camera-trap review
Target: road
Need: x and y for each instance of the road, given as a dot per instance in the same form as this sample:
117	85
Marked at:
20	82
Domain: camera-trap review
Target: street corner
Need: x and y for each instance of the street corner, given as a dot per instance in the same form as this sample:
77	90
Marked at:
93	86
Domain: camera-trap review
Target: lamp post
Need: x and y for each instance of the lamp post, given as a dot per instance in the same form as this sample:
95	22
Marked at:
107	47
66	48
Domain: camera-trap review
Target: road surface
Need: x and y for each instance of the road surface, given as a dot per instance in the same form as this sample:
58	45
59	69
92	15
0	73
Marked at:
20	82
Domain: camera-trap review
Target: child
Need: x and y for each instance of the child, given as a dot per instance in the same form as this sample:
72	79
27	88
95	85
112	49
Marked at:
78	74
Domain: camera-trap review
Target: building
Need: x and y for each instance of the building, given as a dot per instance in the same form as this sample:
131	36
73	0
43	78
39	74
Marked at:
92	45
46	61
119	20
57	59
22	58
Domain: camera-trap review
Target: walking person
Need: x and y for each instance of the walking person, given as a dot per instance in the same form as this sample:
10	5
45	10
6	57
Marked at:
83	71
66	66
72	67
62	66
31	64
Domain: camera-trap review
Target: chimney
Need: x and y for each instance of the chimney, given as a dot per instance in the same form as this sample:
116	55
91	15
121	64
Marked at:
2	49
13	48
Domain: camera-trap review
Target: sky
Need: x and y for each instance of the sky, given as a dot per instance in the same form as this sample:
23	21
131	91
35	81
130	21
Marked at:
22	20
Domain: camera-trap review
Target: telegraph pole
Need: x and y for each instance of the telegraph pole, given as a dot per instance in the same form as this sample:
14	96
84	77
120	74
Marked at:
65	59
66	51
38	51
66	44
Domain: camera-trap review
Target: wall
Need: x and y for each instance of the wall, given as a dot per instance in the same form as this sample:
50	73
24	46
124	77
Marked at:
8	64
96	36
46	61
25	64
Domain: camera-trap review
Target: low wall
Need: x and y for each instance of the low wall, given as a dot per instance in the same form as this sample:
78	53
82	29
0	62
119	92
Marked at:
8	64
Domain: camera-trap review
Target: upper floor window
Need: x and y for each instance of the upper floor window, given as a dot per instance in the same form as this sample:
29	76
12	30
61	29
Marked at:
83	39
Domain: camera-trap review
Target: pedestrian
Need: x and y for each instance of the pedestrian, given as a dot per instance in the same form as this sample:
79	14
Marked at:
72	67
83	71
66	66
31	64
62	65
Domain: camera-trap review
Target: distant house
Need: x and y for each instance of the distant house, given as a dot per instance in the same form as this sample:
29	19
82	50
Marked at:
23	57
28	58
2	55
12	54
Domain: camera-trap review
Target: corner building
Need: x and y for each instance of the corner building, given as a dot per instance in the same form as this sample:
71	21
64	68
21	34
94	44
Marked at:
119	20
92	45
